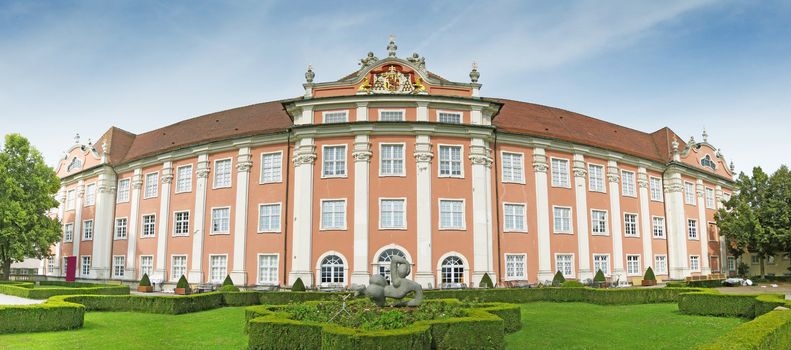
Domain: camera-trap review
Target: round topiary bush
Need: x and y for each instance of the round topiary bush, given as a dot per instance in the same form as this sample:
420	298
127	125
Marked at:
145	282
228	281
229	288
298	286
649	275
558	280
486	281
572	284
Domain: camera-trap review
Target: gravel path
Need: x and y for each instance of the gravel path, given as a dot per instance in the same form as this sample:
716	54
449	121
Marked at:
12	300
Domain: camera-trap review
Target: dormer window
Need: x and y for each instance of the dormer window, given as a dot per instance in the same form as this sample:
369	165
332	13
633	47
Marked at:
706	162
74	165
335	117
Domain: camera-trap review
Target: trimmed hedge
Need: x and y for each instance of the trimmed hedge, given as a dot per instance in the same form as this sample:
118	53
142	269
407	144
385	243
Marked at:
150	304
590	295
28	289
241	298
769	331
53	315
713	303
705	284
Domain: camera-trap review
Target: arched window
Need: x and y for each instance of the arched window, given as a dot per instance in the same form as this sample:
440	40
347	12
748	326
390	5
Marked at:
707	162
452	270
332	269
383	263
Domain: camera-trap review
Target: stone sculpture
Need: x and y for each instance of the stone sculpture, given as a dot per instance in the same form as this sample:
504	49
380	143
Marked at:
399	286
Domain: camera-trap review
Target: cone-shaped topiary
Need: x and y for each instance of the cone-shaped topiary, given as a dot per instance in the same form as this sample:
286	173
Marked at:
599	277
182	283
486	281
228	281
145	282
649	275
298	286
558	280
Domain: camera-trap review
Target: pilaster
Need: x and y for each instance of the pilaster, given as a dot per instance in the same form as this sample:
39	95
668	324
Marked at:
723	247
131	232
480	157
59	269
362	163
423	156
77	234
581	196
362	112
703	228
244	162
103	226
302	240
540	168
166	176
676	225
202	171
613	177
422	112
645	218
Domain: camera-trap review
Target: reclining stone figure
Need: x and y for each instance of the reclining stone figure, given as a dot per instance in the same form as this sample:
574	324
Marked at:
399	286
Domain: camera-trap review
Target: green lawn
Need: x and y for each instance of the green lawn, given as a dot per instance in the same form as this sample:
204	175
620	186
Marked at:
587	326
214	329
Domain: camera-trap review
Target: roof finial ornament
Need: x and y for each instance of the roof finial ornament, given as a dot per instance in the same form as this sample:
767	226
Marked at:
391	47
368	60
77	138
705	135
420	62
90	143
105	150
733	168
309	75
474	75
674	144
691	141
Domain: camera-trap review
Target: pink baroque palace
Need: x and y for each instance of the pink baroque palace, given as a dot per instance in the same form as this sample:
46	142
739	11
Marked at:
391	159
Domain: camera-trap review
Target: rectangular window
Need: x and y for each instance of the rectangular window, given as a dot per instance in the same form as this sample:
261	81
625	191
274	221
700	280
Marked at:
754	259
601	262
267	269
333	215
562	219
146	265
50	265
90	195
450	161
123	191
87	230
334	161
513	168
565	264
630	225
689	193
335	117
560	173
181	223
118	266
694	263
152	185
449	117
120	228
392	214
271	167
656	188
731	263
391	160
85	267
692	229
222	173
451	214
598	222
70	198
596	177
514	217
178	267
633	265
709	198
269	218
515	267
627	183
391	115
217	268
68	232
184	179
220	220
659	227
149	225
660	264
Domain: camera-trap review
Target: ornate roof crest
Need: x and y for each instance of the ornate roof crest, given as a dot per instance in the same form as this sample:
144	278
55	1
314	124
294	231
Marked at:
391	79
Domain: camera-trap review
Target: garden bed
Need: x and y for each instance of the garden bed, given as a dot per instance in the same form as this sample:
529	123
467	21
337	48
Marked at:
47	289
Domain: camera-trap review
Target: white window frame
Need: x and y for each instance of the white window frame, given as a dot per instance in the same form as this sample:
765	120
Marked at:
603	178
570	231
123	189
404	214
632	190
608	269
520	177
324	174
216	173
402	111
573	272
658	189
68	228
175	223
143	226
565	172
209	274
653	227
636	225
463	214
155	186
639	271
211	222
461	161
459	113
345	113
709	196
173	265
116	265
151	267
322	226
90	195
689	194
689	230
178	178
524	218
656	264
279	178
606	223
731	263
279	218
402	171
126	228
82	265
516	277
85	230
71	199
258	280
697	257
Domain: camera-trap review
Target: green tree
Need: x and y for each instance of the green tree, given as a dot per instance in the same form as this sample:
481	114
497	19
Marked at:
778	207
27	189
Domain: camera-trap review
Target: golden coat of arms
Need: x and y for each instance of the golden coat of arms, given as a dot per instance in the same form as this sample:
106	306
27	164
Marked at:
391	81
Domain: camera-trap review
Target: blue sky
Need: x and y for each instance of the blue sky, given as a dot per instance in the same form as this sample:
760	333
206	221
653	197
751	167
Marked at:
68	67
